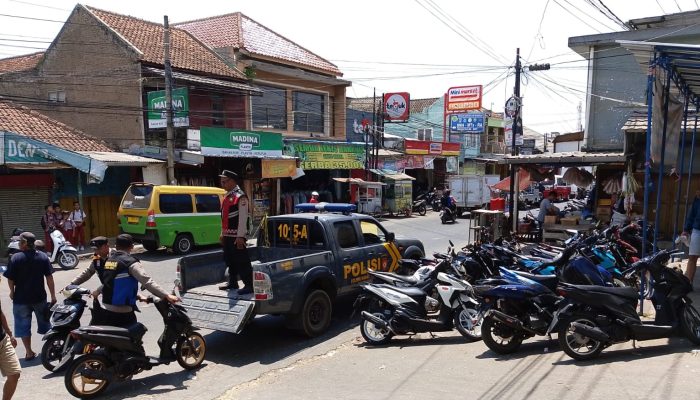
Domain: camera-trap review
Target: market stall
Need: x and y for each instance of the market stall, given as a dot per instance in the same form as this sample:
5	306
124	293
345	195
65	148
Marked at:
398	194
367	195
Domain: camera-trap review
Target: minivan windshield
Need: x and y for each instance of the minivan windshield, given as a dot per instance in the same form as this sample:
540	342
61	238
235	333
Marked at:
138	197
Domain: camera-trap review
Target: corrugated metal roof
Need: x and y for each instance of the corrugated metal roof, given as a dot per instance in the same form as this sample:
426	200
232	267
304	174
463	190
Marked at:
116	159
637	123
566	158
204	80
395	176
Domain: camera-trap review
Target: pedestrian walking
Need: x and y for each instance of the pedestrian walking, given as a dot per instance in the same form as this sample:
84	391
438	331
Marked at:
48	224
78	216
692	229
25	275
59	218
234	227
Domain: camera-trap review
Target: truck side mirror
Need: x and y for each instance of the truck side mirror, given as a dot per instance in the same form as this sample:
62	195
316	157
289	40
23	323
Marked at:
390	237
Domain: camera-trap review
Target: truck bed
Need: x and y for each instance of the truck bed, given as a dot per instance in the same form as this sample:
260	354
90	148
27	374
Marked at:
212	308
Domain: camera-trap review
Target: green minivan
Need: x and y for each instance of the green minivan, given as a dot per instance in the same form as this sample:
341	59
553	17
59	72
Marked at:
177	217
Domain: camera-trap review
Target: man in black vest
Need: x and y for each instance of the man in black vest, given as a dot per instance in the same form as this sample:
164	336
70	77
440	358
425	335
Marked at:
234	225
120	274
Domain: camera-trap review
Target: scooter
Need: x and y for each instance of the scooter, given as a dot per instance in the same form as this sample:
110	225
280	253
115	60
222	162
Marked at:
593	318
419	205
116	354
13	246
63	251
447	215
58	347
388	310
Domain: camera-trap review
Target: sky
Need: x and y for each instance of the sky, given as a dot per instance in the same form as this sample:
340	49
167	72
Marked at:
423	47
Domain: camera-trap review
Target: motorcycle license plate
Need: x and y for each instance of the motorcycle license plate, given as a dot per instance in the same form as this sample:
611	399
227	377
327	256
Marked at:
60	308
132	220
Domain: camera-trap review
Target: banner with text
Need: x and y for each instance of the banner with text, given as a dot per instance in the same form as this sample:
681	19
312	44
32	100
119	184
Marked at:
224	142
316	155
157	107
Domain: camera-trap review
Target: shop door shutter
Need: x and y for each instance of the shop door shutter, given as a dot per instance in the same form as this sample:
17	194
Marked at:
22	208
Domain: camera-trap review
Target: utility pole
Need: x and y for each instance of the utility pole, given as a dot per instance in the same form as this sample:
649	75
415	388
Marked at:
170	128
516	116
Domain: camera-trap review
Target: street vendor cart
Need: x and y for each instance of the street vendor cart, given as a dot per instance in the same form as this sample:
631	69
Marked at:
366	195
398	194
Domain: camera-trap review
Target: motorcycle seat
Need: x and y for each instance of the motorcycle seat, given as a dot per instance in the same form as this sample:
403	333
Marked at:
550	281
136	330
403	278
408	291
627	292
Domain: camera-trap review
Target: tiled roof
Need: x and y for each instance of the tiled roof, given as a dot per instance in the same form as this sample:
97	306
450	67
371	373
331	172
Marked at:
187	52
24	121
366	104
568	137
20	63
241	32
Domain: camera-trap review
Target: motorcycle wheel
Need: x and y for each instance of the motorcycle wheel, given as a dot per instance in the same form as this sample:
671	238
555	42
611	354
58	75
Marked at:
373	335
51	351
82	386
68	259
190	350
468	323
575	345
691	323
422	210
500	338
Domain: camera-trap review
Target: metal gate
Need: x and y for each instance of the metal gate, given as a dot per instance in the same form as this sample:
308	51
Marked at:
22	208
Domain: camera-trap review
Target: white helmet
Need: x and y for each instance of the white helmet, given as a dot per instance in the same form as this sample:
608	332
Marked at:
314	193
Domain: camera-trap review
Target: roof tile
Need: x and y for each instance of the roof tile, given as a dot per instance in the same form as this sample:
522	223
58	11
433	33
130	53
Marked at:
20	63
241	32
187	52
32	124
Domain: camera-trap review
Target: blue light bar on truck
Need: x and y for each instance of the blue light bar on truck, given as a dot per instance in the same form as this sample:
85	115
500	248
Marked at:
344	208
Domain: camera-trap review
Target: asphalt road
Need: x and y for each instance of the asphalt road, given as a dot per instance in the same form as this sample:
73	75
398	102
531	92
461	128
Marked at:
232	360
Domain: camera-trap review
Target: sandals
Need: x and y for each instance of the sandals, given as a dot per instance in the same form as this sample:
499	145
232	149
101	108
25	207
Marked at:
30	358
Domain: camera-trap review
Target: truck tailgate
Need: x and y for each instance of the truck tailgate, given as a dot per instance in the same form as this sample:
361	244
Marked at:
211	308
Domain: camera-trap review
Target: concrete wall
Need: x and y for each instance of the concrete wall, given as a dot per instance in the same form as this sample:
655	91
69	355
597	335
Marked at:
567	146
100	78
431	117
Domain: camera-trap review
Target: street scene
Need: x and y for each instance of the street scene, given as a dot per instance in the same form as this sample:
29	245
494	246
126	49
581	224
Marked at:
216	201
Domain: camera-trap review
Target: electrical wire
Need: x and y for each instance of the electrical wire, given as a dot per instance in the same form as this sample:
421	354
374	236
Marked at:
662	9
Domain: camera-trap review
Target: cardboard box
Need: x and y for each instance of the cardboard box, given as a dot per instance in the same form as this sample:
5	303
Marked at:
569	221
550	219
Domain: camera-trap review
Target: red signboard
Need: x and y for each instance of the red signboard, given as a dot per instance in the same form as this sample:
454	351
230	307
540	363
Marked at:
396	106
464	98
431	148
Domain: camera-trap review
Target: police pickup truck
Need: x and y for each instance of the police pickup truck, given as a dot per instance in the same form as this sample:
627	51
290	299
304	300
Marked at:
301	264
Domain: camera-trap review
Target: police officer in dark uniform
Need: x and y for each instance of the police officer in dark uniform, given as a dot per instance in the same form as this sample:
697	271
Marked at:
234	225
120	274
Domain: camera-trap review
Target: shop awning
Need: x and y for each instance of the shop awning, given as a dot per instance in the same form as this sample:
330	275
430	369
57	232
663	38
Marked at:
393	175
357	181
117	159
523	182
566	158
19	151
181	76
388	153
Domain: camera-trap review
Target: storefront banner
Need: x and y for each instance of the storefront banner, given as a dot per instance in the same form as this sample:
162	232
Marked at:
315	155
414	162
224	142
21	150
424	147
452	164
509	134
157	108
467	123
392	165
429	162
279	168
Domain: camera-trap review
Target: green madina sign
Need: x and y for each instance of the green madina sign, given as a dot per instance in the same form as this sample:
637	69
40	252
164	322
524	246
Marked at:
236	142
157	107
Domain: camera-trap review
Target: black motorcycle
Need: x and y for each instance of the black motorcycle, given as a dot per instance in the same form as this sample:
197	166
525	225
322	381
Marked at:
593	318
419	205
116	354
448	214
58	347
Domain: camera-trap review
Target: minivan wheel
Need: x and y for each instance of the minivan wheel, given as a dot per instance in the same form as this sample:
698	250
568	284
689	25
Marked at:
183	243
150	245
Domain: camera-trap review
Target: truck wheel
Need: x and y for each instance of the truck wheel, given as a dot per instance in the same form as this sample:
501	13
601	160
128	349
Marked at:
316	313
183	243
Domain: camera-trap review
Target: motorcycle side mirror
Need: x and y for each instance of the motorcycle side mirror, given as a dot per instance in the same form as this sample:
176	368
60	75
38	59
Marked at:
390	237
451	244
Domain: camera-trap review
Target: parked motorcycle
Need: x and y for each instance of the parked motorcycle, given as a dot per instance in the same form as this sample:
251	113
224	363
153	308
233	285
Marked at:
13	246
593	318
389	310
419	205
64	254
116	354
58	347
